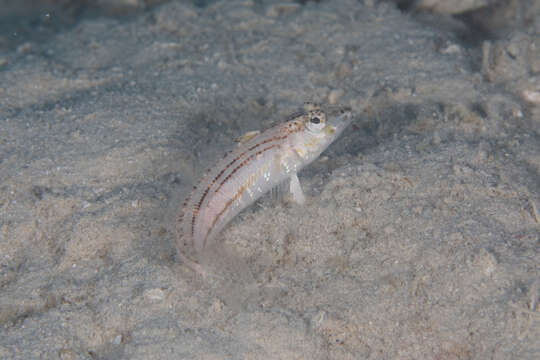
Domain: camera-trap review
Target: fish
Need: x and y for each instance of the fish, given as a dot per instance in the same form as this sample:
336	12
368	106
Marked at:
261	161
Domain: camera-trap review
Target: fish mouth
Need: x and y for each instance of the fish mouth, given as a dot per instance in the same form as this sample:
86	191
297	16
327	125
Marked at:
340	119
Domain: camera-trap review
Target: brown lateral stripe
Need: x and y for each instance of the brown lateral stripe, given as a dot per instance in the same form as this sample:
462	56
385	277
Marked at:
195	213
213	182
198	205
239	192
228	177
227	204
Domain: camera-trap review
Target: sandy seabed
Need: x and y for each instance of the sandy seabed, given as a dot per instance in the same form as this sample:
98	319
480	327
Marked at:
420	238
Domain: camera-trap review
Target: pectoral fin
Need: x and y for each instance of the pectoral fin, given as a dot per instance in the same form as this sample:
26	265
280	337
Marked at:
296	190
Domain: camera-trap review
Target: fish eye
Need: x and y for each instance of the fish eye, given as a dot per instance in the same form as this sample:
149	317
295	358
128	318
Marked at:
315	121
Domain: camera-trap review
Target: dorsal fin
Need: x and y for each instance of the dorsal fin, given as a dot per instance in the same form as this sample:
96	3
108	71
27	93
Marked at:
246	137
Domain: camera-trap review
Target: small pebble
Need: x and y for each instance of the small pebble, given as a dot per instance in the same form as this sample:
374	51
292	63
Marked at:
117	340
531	96
282	9
334	96
154	294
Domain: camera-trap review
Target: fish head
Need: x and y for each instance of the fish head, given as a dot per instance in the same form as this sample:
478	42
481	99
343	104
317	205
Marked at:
320	128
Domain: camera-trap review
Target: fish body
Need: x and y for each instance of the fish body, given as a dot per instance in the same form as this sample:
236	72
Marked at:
261	161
